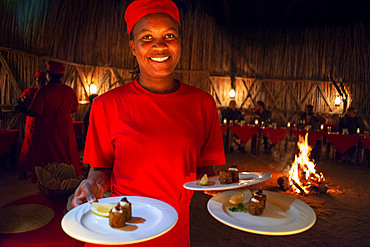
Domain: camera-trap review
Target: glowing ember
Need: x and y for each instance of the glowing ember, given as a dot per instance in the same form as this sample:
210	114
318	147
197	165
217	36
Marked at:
302	175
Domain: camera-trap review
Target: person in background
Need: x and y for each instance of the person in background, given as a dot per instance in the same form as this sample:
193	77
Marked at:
24	101
231	114
183	141
311	118
264	118
351	122
262	114
53	138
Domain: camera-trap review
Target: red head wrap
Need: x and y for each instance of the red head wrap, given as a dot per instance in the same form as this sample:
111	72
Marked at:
40	74
140	8
55	67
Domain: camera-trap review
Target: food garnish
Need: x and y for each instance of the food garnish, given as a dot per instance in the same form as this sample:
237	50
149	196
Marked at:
204	180
101	209
240	197
239	208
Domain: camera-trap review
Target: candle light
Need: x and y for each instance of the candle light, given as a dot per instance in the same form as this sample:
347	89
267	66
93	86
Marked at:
358	130
256	121
288	125
225	121
322	127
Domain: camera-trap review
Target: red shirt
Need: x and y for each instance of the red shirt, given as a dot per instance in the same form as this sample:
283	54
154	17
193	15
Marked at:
154	142
53	137
26	156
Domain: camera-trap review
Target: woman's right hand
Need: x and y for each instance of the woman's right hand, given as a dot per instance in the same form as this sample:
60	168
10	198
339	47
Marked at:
88	191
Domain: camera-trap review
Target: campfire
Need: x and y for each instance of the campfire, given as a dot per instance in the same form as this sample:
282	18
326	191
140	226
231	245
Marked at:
303	177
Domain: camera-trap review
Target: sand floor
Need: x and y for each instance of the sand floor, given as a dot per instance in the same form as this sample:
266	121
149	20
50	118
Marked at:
343	215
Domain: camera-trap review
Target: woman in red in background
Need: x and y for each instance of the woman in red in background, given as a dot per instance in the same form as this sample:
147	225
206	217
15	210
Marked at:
54	139
134	157
24	101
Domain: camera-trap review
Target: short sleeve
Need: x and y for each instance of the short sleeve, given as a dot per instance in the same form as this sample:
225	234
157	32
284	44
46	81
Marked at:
212	152
99	148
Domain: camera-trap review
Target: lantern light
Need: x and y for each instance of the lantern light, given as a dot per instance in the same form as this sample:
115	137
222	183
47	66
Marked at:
337	101
93	89
232	93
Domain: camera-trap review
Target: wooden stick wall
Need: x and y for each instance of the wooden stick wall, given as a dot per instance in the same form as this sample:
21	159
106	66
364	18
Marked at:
89	37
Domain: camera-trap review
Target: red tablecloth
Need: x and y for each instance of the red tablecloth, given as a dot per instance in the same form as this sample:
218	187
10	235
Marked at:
245	133
313	136
78	126
275	135
342	142
366	141
50	235
7	138
224	129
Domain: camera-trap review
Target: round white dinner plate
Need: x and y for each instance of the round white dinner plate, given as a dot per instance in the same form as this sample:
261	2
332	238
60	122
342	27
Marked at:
150	219
283	215
245	179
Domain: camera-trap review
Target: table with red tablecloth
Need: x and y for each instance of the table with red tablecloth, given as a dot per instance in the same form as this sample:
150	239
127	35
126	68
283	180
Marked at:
8	146
7	139
313	136
245	133
342	142
224	129
78	127
49	235
366	142
275	135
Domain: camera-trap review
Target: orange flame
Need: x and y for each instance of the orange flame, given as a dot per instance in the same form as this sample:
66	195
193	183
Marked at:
303	173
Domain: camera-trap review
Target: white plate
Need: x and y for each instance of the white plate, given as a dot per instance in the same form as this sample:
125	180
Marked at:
245	179
283	215
151	218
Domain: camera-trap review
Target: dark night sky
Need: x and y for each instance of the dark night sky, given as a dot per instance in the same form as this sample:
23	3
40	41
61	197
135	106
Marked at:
257	13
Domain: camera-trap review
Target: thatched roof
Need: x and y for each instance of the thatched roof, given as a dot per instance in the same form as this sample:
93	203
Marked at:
92	32
273	48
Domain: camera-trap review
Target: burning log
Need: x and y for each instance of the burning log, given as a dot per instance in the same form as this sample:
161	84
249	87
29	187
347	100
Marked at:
312	186
299	187
284	183
302	177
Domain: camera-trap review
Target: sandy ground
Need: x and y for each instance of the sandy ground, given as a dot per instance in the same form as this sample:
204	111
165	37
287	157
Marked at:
343	215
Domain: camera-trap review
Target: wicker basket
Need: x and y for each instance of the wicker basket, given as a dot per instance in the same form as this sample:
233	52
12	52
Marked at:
56	195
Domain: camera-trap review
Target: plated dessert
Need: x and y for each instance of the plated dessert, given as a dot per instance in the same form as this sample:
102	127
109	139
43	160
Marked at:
227	179
229	176
90	222
281	214
246	201
120	214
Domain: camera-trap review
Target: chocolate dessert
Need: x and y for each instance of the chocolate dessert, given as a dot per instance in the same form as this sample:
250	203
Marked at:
257	203
229	176
120	214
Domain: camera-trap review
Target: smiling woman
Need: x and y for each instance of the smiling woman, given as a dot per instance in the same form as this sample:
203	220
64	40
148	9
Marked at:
157	48
131	157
